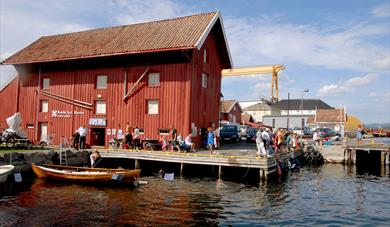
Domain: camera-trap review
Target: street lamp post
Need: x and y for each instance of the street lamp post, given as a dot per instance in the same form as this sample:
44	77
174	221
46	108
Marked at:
302	121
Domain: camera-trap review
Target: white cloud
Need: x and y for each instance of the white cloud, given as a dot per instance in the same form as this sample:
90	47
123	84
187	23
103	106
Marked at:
263	41
136	11
347	86
381	10
372	94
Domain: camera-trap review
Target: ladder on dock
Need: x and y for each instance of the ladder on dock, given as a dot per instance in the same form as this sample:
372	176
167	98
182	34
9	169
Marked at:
63	153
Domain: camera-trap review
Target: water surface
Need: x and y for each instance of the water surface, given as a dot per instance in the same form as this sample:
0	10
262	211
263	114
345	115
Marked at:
328	195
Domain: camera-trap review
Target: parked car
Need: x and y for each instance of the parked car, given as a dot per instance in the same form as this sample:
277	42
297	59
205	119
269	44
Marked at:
328	132
230	132
306	131
251	135
243	130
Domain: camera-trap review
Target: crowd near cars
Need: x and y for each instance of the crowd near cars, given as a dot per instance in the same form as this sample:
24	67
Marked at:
236	133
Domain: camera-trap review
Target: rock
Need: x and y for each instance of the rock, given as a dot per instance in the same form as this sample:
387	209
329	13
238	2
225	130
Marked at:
25	168
15	156
76	161
51	155
37	158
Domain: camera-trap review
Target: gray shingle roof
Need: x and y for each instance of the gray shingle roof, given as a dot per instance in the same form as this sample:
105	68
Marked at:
295	104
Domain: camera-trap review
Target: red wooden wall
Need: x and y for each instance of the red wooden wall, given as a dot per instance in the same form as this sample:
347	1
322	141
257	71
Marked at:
182	100
8	102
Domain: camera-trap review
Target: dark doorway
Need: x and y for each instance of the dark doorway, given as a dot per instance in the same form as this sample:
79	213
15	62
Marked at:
98	136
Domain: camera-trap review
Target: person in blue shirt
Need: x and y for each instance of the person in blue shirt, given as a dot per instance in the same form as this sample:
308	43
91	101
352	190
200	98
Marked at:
210	141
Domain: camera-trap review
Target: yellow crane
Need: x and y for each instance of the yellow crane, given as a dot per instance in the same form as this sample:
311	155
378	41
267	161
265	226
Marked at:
274	69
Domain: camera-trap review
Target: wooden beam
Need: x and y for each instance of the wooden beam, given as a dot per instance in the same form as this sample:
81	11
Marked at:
136	83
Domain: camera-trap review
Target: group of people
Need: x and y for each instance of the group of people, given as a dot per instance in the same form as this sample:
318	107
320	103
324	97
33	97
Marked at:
79	137
130	139
177	142
269	142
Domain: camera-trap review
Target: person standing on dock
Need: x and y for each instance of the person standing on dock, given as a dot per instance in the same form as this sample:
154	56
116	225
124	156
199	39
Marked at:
136	138
128	135
210	141
76	138
260	144
83	135
359	134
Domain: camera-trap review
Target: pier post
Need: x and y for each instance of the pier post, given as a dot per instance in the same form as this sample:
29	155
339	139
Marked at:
136	164
387	159
181	169
263	174
383	163
219	172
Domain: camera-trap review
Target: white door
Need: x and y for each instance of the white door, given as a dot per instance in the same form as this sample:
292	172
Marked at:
44	132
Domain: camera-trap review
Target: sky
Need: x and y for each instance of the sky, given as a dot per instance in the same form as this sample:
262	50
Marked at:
339	50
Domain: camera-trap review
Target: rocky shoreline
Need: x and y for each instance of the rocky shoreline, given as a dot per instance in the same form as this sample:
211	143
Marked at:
23	160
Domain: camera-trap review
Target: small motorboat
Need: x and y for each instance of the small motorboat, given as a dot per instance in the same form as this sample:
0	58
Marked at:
5	170
84	174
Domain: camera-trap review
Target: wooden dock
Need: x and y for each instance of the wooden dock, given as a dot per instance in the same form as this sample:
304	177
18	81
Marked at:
230	158
354	150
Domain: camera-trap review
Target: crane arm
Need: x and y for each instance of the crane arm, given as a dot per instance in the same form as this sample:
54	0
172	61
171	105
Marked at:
252	70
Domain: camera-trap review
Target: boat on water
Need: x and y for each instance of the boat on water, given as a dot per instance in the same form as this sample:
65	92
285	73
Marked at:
5	170
85	174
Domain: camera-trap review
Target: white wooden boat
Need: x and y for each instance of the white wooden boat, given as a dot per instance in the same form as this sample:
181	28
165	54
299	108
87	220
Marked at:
5	170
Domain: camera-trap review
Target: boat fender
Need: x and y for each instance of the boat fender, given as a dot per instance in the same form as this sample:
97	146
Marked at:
117	177
18	177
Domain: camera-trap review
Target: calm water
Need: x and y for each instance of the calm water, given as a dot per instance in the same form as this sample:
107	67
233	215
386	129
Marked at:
327	195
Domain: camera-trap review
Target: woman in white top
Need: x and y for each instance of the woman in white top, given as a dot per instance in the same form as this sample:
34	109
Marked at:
260	144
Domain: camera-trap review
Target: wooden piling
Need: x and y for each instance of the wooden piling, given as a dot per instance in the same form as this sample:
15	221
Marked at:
219	172
181	169
136	164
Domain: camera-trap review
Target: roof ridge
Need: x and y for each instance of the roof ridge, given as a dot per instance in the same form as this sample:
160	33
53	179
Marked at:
128	25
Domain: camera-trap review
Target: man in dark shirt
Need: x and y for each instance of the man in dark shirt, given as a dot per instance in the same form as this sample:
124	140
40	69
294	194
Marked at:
76	138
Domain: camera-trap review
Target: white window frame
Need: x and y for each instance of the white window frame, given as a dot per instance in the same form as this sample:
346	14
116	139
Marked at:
45	83
152	106
44	106
100	107
154	79
204	80
101	81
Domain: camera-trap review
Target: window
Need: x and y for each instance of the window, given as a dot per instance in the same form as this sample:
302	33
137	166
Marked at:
205	57
163	131
152	106
44	106
100	107
46	83
154	79
101	81
204	80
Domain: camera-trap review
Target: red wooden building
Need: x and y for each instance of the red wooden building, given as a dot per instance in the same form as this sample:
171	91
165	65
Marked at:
231	111
151	75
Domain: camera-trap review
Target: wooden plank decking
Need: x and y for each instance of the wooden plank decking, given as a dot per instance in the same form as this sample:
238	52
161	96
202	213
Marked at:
231	158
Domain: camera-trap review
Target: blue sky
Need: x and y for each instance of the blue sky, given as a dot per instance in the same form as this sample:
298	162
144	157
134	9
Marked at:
339	50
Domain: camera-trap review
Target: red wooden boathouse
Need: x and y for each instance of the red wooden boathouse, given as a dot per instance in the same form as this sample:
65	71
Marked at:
151	75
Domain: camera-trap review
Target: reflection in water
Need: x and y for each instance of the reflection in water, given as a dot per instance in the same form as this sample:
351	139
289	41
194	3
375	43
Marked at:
331	194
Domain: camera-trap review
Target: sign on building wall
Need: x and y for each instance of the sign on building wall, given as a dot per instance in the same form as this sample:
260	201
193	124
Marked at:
64	113
97	122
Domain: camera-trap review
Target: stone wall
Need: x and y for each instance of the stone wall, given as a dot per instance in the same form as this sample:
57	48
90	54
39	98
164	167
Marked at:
23	160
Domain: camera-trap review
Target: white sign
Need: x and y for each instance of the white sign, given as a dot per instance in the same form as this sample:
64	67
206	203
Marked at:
97	122
64	114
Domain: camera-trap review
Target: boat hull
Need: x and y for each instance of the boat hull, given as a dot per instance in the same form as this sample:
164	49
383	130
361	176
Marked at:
5	170
86	175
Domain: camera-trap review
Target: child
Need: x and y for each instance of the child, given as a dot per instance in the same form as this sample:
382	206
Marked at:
164	143
210	140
